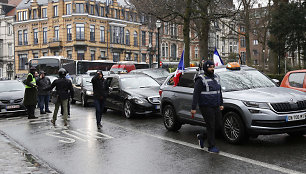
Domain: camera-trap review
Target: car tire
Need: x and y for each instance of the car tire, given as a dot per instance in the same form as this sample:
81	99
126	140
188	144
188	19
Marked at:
233	128
73	101
297	134
84	101
171	121
127	109
104	110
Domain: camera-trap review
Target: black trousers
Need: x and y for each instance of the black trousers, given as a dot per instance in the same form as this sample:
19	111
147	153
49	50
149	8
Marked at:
212	117
31	110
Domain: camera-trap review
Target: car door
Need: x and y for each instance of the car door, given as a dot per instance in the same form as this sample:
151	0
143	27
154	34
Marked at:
114	92
78	88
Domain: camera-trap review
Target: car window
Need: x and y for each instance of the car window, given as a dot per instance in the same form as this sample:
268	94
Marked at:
115	83
11	86
296	79
187	80
138	82
171	82
87	81
157	73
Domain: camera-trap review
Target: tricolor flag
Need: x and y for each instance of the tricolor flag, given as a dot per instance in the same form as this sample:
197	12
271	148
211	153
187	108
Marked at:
180	69
217	59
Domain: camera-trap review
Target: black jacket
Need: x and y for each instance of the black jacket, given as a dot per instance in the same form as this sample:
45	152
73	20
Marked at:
43	83
100	87
63	88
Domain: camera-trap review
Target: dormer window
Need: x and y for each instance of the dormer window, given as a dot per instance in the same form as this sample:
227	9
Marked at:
79	8
55	10
44	12
34	13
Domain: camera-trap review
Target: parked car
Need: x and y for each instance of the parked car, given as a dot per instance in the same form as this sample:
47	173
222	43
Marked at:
83	90
11	97
132	94
94	72
253	104
295	80
157	74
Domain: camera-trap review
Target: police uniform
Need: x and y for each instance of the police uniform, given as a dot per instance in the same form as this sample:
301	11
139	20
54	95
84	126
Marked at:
30	95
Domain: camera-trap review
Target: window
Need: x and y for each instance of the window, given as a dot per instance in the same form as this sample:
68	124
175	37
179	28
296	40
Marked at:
19	16
255	52
117	34
45	30
35	55
25	37
25	15
45	53
10	29
10	50
242	29
34	13
92	9
92	55
79	8
80	54
80	32
56	33
102	54
69	34
196	52
135	38
35	31
166	29
296	80
255	42
217	42
128	56
102	34
102	11
150	38
173	51
242	41
116	13
127	37
69	54
143	38
135	57
23	59
186	80
68	9
92	33
165	50
243	57
55	10
20	37
143	57
231	47
116	57
44	12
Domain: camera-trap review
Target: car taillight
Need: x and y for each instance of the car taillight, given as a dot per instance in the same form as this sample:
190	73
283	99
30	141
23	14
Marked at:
160	92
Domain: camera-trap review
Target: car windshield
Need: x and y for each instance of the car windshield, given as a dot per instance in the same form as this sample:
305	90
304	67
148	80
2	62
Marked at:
11	86
157	73
117	70
87	81
138	82
241	80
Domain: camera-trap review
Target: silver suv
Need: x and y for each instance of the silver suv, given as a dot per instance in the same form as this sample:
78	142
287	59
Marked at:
253	104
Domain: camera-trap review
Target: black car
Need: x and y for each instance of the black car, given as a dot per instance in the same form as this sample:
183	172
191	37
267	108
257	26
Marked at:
83	91
133	94
158	74
11	97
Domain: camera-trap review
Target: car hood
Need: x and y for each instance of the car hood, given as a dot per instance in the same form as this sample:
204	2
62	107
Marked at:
143	92
11	95
88	88
271	95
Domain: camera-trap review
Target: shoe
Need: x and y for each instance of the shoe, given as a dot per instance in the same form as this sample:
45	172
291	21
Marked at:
213	150
68	116
53	122
32	117
42	112
48	111
201	141
65	123
99	125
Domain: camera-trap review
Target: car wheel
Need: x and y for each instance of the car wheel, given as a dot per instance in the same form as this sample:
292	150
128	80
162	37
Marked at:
84	101
297	134
73	101
233	128
127	110
104	110
171	121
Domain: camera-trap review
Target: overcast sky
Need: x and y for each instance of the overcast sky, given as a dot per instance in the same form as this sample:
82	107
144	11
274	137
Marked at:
262	2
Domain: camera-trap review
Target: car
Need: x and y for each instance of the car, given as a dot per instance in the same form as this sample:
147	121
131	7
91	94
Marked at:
94	72
122	68
253	104
83	90
295	80
158	74
132	94
11	97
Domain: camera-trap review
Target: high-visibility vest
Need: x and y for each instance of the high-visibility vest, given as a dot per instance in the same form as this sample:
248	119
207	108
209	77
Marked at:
33	81
211	94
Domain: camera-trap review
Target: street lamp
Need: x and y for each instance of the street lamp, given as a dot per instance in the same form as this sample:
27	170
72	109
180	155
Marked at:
158	25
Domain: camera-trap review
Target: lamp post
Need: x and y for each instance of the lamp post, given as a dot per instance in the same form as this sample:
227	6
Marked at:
158	25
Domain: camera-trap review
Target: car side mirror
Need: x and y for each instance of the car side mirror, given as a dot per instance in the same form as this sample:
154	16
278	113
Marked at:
275	81
116	88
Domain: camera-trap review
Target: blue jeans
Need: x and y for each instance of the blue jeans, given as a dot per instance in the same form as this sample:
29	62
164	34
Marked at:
99	104
43	101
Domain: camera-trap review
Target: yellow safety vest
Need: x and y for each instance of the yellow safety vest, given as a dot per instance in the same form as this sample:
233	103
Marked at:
33	81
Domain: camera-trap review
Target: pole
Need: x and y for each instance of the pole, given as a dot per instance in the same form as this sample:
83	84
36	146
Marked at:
158	55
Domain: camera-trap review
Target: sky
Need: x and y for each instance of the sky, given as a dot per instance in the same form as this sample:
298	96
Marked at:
262	2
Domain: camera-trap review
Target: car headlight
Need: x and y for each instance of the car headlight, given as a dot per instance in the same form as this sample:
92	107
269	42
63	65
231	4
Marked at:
89	92
256	104
138	100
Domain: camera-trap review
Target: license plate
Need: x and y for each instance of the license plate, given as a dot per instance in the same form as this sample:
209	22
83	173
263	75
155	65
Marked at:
12	107
157	107
295	117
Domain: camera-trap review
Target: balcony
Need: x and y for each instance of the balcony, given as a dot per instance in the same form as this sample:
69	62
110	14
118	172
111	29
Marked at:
55	43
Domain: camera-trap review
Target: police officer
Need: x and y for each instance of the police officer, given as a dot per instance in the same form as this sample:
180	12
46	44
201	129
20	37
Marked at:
63	90
30	95
207	94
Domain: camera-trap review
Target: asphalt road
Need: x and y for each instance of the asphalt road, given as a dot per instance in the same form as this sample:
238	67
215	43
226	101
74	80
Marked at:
143	145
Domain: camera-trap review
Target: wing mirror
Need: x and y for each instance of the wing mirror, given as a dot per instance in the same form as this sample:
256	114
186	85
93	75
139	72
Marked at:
115	88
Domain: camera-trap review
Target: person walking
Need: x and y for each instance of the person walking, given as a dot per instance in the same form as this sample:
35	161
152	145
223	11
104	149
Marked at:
43	95
68	104
207	94
99	89
63	90
30	95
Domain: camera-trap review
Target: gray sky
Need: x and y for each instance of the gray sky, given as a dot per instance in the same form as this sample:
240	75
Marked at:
262	2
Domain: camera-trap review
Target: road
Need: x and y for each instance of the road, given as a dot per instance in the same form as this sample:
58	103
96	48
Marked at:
143	145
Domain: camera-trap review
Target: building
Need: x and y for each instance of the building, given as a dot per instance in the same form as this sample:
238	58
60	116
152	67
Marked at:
6	40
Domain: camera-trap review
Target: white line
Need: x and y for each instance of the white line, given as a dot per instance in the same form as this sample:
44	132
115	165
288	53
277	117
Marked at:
225	154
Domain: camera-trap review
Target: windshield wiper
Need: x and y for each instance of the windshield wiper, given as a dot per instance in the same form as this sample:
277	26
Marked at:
144	86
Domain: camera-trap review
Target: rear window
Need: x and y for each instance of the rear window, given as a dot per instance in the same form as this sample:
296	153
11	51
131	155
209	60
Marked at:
296	80
187	80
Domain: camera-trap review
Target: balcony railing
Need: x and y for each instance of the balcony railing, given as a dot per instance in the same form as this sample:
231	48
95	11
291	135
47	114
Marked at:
54	43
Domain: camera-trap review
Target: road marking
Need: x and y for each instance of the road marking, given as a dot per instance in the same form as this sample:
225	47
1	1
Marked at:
225	154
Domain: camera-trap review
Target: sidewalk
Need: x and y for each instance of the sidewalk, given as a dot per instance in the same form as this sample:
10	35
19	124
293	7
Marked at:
15	159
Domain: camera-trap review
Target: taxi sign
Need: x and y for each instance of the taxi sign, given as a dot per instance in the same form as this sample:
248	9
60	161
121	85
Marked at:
233	66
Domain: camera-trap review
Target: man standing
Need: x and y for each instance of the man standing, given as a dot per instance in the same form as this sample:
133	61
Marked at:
43	96
63	90
99	90
30	95
207	94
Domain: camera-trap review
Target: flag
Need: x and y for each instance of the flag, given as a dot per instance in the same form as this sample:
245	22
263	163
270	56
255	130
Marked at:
180	69
217	59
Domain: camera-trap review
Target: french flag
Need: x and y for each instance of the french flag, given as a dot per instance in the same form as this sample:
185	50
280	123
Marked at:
180	69
217	59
